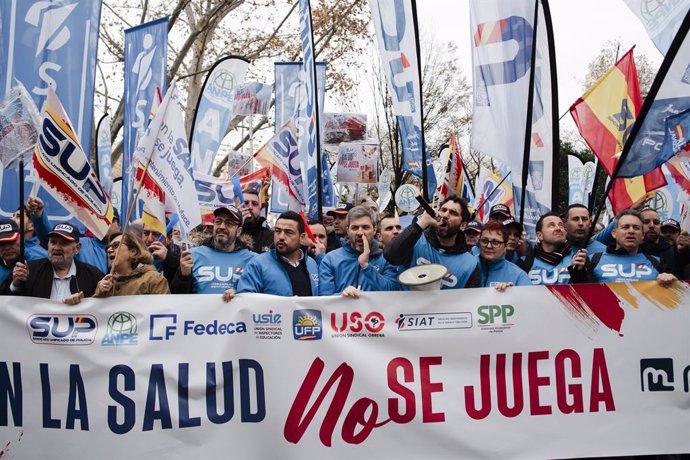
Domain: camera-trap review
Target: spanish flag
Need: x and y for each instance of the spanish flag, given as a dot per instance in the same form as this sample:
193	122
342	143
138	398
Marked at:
604	115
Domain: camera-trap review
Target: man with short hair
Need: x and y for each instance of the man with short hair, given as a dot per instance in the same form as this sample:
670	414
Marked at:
578	223
166	256
653	243
438	240
316	248
285	270
254	223
389	228
623	261
59	277
339	235
217	265
549	261
10	247
359	264
499	212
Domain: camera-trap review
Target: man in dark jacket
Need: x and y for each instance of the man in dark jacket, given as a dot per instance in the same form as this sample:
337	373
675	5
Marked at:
59	277
438	241
254	224
656	245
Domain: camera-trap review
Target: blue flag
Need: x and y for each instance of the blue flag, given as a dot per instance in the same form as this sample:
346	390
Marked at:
146	52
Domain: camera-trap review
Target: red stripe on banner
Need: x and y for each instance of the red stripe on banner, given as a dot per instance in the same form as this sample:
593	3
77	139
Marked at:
589	301
405	62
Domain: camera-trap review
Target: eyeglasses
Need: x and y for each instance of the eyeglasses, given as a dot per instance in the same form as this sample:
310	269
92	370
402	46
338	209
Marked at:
227	222
491	243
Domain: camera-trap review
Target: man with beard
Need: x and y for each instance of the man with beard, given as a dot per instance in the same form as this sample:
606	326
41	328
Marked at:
60	277
578	223
254	224
285	270
216	266
358	265
550	258
654	244
316	248
623	261
438	241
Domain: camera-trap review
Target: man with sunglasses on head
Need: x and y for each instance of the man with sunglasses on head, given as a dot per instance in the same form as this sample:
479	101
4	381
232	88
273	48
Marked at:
216	266
60	276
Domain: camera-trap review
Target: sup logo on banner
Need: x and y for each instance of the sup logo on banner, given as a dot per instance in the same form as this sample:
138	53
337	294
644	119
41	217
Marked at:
62	329
306	325
656	374
121	330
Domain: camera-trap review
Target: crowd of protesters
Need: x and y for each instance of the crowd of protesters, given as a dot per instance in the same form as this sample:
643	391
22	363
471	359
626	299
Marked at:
356	249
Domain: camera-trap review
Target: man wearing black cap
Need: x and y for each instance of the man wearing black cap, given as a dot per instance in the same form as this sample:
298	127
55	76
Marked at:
254	224
670	229
499	212
472	232
216	266
59	277
339	235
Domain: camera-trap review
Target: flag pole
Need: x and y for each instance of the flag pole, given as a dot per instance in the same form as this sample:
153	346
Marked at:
528	123
425	178
22	242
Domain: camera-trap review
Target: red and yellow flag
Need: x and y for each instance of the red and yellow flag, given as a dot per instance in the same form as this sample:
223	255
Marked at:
604	115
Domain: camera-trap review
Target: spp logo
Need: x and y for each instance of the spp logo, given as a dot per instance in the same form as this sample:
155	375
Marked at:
356	322
491	314
62	329
164	326
656	374
121	330
306	324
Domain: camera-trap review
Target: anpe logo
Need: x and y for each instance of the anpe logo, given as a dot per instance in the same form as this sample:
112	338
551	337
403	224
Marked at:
489	314
356	324
306	324
164	326
62	329
121	330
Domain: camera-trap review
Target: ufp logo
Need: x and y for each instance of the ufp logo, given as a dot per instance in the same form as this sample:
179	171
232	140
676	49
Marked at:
62	329
490	314
656	374
306	325
121	330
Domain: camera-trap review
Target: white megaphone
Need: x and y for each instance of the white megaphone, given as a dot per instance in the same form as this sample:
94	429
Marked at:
423	277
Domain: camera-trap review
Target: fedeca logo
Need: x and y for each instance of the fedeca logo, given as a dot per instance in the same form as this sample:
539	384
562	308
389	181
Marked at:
121	330
62	329
164	326
306	325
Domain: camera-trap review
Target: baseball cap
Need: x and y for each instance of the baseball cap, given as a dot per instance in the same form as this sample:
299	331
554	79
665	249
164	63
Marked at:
9	231
499	209
340	209
474	226
66	231
512	222
233	211
671	223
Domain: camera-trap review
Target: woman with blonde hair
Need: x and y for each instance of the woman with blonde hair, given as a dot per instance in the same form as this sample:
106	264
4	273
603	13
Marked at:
133	272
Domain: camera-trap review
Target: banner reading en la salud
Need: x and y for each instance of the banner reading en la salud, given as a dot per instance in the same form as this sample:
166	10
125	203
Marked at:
589	370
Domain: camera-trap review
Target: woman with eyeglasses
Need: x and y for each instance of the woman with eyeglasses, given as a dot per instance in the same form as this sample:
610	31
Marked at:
133	270
494	269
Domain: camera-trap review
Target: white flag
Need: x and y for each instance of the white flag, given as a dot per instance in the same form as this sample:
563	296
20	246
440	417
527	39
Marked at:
165	142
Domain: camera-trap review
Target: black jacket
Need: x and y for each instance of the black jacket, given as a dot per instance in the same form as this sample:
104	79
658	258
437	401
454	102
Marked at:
262	236
40	282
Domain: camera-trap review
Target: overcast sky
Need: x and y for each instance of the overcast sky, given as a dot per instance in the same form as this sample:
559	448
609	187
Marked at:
581	28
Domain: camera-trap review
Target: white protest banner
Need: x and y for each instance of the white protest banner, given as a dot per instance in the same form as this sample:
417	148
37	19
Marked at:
251	98
588	370
214	192
358	162
165	142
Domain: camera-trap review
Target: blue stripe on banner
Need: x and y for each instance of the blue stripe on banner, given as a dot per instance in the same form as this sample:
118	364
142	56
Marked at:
146	51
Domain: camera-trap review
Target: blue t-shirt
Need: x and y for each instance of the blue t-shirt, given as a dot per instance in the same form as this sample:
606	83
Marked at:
216	271
616	268
460	266
545	273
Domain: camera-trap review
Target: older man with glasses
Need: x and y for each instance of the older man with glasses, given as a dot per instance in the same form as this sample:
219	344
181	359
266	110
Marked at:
216	266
